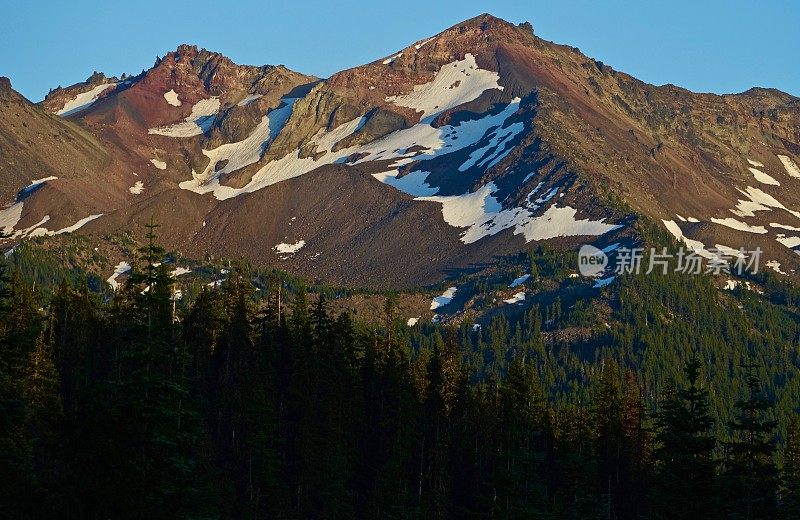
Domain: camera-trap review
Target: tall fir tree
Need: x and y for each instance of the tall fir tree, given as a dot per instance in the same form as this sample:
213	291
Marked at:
685	484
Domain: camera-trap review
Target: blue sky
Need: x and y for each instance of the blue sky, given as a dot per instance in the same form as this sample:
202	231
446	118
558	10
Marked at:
704	45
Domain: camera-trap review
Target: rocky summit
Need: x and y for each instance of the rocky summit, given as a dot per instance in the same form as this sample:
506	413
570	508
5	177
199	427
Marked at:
437	159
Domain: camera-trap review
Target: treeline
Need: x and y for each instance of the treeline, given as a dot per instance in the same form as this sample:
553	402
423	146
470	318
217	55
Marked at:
232	409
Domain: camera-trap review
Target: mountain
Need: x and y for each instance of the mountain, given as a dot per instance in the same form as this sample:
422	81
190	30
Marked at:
438	159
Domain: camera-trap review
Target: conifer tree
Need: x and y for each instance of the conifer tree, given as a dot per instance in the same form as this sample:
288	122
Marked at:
750	474
791	471
684	483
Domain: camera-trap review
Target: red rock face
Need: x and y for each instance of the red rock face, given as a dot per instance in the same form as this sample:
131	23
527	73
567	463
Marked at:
570	132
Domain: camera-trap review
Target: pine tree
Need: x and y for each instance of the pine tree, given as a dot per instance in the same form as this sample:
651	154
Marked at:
684	481
636	451
523	446
750	476
19	328
608	414
791	471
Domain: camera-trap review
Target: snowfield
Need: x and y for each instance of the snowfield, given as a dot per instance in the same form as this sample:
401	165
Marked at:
42	231
435	141
178	271
120	269
390	60
243	153
603	282
172	98
775	266
479	212
763	178
791	167
739	225
249	99
284	248
695	245
11	214
517	298
519	281
204	112
758	201
455	84
83	101
445	298
137	188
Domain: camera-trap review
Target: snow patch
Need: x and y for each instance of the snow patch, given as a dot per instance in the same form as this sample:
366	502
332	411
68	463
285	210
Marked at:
517	298
482	214
391	59
739	225
240	154
763	178
495	150
178	271
422	43
284	248
729	251
249	99
775	266
412	183
695	245
603	282
79	224
758	201
42	231
137	188
161	165
755	163
199	121
783	226
10	216
790	242
172	98
36	183
445	298
412	321
456	83
519	281
790	166
83	101
120	269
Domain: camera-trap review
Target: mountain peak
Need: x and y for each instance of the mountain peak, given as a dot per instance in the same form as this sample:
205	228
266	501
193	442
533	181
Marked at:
488	24
5	84
7	92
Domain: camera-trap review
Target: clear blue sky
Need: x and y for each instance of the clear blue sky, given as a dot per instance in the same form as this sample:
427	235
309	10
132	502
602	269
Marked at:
704	45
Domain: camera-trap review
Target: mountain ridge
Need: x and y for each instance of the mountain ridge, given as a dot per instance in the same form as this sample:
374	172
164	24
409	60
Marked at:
505	134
